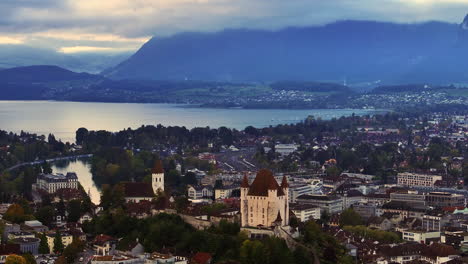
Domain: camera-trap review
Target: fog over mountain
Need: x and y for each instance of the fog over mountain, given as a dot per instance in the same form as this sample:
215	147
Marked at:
23	55
358	51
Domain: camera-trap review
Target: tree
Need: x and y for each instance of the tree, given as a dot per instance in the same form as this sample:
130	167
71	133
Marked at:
43	246
74	210
71	251
350	218
253	252
81	135
15	214
46	168
58	245
45	215
29	258
15	259
190	178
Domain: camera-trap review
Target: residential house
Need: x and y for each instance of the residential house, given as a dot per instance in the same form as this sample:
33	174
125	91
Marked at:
381	223
104	245
199	193
66	238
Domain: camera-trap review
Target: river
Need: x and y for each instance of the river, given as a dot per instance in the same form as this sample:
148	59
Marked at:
82	167
63	118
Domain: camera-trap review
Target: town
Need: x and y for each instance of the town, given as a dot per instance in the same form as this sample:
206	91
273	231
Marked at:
389	188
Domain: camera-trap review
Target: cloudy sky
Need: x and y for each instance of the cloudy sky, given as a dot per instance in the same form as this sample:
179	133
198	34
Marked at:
71	26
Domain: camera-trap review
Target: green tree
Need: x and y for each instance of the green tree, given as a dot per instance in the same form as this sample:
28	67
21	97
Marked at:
29	258
71	251
45	215
81	135
74	210
58	245
350	218
46	168
43	246
253	252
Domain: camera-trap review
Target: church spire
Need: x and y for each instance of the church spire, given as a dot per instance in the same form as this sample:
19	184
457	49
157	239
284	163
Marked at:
158	167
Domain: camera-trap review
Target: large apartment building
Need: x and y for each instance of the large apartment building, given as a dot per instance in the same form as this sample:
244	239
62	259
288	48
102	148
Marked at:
417	180
54	182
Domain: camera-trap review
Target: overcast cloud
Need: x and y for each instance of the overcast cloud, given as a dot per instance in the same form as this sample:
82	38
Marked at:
121	25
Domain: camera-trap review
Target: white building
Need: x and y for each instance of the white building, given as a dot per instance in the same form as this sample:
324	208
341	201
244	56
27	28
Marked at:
264	203
54	182
305	212
158	258
327	203
296	190
116	259
66	238
199	192
415	179
225	192
419	235
285	149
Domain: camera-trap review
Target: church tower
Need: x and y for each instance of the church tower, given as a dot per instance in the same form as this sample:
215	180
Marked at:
157	177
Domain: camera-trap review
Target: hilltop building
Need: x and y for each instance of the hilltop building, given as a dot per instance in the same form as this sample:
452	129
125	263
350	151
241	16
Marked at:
54	182
264	203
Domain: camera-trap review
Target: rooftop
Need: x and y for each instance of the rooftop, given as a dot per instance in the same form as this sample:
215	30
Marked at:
264	181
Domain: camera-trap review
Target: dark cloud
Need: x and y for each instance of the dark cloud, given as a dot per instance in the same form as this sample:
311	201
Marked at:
139	18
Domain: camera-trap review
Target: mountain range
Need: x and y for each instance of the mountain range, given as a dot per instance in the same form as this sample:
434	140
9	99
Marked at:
351	51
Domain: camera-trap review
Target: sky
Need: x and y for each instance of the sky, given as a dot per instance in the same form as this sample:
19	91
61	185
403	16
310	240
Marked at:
76	26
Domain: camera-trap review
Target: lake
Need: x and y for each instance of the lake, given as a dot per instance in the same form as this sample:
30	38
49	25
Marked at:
63	118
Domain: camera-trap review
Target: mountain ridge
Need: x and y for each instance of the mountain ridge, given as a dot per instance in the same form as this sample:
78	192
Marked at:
349	49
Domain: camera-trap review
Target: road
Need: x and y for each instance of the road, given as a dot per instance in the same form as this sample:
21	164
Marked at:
241	160
48	160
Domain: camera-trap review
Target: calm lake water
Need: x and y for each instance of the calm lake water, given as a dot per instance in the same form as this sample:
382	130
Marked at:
63	118
83	171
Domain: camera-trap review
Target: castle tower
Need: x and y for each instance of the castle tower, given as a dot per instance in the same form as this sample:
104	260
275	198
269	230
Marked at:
285	187
263	200
157	176
244	205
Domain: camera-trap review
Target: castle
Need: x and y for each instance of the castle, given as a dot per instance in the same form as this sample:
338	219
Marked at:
264	203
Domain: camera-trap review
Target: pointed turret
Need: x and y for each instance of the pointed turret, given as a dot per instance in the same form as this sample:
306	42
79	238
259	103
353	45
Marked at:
278	220
284	182
245	182
158	167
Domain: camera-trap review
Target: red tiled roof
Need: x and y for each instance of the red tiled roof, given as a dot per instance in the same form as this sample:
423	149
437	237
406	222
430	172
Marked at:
158	167
264	181
201	258
138	189
101	239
